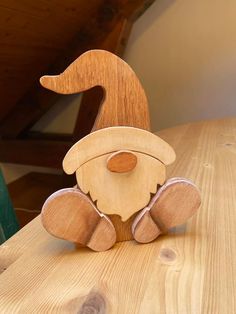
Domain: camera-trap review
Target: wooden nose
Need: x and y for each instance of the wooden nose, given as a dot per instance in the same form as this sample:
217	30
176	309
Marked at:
122	161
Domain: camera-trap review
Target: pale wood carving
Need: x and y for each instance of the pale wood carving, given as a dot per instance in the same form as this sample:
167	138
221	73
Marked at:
113	139
122	161
120	165
122	194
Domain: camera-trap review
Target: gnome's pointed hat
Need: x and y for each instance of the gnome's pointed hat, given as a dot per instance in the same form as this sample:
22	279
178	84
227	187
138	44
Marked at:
124	104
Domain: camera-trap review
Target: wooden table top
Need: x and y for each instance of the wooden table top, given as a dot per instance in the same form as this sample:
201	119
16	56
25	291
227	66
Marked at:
191	270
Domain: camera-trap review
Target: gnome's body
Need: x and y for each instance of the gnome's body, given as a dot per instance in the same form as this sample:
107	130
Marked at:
119	166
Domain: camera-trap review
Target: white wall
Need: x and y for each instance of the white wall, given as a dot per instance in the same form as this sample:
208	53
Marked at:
184	52
61	118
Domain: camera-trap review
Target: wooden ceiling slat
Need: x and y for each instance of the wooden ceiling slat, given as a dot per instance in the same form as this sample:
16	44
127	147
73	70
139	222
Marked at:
32	35
42	9
39	37
89	36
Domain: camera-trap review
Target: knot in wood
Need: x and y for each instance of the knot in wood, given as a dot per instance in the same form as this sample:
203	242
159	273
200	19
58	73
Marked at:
94	304
167	255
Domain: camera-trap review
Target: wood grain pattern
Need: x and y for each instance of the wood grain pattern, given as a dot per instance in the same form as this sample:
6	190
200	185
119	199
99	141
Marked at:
122	161
123	228
68	214
62	31
189	271
114	139
114	42
175	202
55	24
122	117
144	228
124	104
121	194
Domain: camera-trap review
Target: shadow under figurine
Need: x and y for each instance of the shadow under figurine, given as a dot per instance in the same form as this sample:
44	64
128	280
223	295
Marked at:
120	167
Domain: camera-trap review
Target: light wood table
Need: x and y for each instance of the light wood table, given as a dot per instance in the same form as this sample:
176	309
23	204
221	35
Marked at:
191	270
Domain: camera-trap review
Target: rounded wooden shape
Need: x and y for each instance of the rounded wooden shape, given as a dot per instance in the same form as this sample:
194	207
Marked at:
69	214
114	139
121	194
175	202
122	161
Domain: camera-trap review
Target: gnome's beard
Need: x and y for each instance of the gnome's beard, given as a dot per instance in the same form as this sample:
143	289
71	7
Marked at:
122	194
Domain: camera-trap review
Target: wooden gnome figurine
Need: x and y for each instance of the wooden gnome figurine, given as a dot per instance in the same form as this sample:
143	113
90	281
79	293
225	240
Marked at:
120	167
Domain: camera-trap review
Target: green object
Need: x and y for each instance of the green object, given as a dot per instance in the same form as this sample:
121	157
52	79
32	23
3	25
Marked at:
8	221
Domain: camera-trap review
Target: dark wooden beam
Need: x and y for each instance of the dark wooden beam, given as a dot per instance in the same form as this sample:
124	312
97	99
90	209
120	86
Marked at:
27	111
35	135
34	152
92	35
108	28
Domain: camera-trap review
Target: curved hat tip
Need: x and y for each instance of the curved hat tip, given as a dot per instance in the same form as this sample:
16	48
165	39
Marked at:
48	81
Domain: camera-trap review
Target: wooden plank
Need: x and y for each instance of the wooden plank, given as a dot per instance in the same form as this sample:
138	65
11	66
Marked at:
21	242
27	111
34	152
33	106
36	135
62	45
32	37
178	273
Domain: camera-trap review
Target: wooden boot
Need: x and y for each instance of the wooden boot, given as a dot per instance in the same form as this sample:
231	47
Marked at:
175	202
70	215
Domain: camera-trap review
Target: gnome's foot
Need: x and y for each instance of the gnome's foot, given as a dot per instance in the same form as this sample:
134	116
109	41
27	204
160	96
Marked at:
176	201
69	214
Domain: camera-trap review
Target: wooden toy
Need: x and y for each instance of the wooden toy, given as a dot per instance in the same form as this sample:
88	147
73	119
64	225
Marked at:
121	192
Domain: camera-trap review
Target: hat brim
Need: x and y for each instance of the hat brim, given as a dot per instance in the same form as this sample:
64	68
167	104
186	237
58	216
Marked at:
112	139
